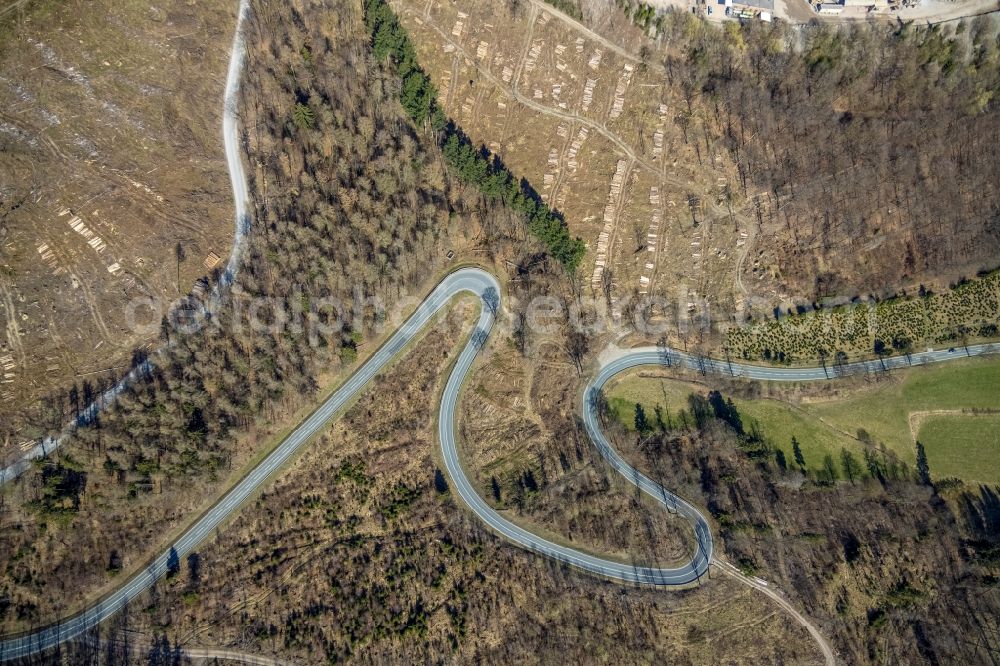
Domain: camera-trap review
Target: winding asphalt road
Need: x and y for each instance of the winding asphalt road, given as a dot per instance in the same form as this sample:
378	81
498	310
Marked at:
470	280
485	286
621	359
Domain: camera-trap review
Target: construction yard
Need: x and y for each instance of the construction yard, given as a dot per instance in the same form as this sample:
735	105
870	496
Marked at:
595	130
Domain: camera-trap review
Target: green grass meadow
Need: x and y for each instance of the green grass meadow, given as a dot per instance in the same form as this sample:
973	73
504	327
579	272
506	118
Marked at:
966	446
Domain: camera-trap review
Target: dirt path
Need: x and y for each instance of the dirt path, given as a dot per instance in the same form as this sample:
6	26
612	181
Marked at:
211	655
532	17
828	654
619	209
198	655
579	27
12	329
743	254
562	169
449	100
513	92
916	419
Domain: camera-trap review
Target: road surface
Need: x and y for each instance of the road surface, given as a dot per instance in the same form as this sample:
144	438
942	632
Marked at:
483	283
485	286
468	280
622	359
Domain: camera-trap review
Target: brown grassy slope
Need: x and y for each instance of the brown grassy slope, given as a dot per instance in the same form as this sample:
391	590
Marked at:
816	161
593	130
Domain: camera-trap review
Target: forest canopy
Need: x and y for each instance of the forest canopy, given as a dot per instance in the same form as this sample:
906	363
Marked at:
848	139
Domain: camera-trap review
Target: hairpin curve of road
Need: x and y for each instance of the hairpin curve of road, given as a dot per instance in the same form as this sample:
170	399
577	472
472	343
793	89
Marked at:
467	280
485	286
